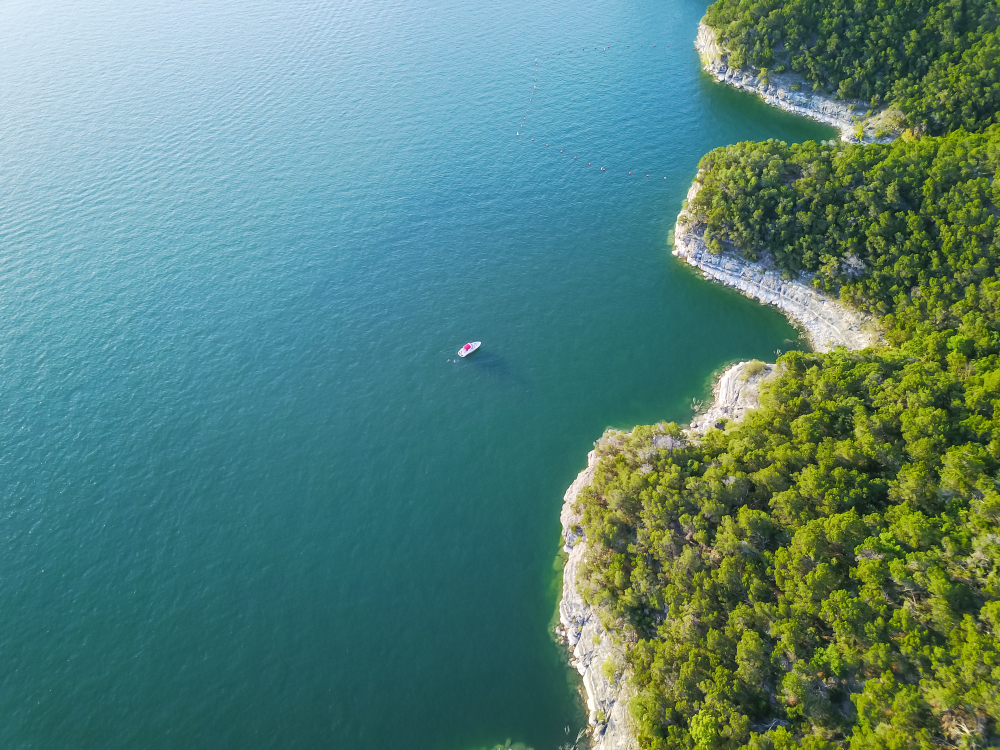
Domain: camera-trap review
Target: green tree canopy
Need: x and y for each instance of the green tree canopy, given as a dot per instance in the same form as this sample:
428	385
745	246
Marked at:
826	574
935	59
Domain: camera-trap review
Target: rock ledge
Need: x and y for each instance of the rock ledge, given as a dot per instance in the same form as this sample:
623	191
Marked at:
846	116
827	322
580	626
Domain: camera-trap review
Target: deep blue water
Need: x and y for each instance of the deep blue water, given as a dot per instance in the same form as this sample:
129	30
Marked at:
249	498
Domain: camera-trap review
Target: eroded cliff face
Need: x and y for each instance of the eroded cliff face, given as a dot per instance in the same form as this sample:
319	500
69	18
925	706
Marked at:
736	393
826	321
580	624
589	642
777	90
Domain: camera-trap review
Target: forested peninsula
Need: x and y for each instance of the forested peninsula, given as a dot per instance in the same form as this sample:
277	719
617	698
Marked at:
825	572
936	61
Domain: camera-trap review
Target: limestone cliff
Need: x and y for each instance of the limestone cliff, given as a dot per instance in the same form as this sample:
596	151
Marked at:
736	392
580	624
849	117
590	644
826	321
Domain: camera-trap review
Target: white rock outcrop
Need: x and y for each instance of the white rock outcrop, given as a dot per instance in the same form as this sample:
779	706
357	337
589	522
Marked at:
826	321
842	114
607	702
591	646
736	392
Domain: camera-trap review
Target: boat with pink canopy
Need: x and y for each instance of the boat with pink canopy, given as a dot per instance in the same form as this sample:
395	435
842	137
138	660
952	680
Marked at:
469	348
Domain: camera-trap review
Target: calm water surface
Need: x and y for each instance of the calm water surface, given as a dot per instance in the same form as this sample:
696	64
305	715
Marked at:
249	498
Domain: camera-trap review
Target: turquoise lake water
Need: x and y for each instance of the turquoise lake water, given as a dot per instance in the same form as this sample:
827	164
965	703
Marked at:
250	499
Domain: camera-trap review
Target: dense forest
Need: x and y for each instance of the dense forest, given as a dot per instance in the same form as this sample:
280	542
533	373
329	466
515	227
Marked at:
904	230
826	574
935	60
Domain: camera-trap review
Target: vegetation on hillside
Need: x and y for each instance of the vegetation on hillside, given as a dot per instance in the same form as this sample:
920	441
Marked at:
937	60
906	230
826	574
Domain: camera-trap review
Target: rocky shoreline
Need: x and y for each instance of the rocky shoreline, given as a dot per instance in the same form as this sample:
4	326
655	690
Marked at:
587	639
777	89
736	391
827	322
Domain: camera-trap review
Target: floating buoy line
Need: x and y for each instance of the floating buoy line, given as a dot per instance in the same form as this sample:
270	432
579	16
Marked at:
534	89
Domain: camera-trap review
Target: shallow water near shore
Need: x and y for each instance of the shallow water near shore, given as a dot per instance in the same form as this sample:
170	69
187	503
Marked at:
251	498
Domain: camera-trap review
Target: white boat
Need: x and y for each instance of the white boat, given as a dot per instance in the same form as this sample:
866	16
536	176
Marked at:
469	348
